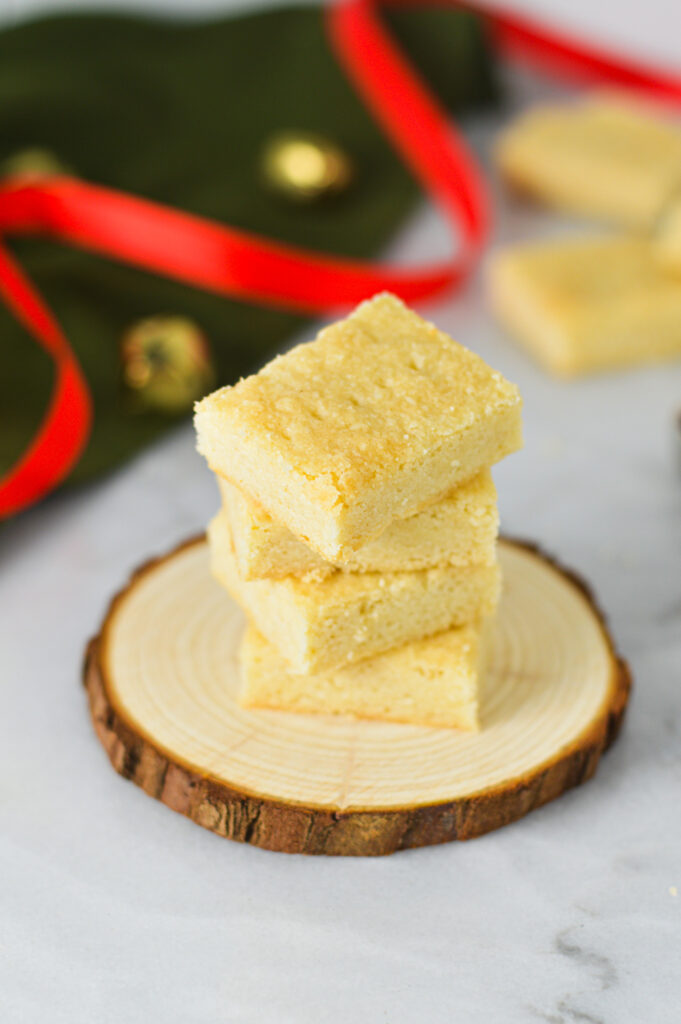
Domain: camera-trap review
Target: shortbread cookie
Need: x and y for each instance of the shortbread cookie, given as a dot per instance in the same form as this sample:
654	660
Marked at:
588	304
378	418
318	625
667	239
602	157
459	530
433	682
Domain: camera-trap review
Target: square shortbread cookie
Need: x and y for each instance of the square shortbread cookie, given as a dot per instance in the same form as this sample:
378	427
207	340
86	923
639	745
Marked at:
433	682
667	239
459	530
376	419
604	157
318	625
587	304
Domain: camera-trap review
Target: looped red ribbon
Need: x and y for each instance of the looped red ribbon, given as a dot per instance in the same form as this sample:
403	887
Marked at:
242	265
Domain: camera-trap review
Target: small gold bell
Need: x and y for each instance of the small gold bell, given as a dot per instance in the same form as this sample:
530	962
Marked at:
166	363
303	166
33	164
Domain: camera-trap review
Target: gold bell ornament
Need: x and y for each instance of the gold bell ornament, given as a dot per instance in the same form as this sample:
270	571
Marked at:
303	166
166	363
32	164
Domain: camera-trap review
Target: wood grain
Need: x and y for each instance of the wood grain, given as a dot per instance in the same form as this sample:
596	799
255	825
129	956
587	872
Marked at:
162	684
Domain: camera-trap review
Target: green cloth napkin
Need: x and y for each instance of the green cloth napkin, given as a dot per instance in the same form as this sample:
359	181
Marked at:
179	112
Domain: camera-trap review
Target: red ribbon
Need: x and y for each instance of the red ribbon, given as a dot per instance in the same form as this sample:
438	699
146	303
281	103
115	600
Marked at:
66	424
242	265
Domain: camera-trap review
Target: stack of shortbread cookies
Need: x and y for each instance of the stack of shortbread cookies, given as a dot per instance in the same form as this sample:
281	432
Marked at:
359	520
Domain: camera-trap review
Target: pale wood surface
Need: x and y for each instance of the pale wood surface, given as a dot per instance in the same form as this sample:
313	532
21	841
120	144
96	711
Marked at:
163	685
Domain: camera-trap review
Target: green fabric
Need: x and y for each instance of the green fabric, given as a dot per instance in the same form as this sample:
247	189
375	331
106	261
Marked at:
179	113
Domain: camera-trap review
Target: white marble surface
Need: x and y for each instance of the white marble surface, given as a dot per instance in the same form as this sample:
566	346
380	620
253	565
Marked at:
114	909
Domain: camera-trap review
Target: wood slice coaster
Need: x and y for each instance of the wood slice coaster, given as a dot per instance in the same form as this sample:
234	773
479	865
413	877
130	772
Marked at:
162	682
